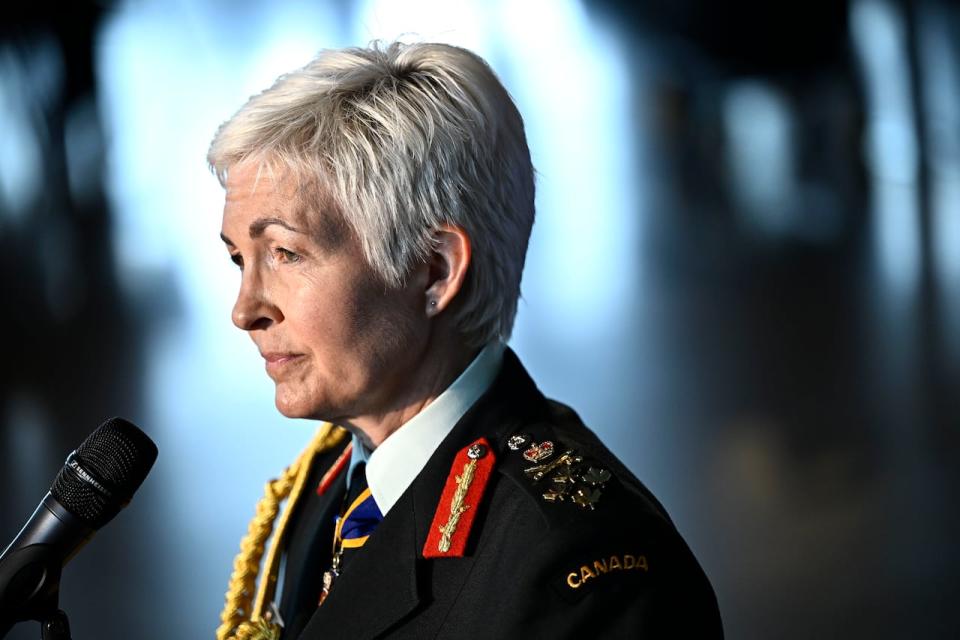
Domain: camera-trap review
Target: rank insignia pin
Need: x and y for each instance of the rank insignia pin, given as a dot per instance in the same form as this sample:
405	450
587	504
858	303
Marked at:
569	481
595	476
457	509
538	472
516	441
537	452
586	498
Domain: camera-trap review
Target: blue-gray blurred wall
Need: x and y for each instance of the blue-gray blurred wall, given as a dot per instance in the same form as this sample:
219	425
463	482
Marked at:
744	274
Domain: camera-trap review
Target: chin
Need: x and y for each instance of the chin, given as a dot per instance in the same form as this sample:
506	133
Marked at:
299	407
293	407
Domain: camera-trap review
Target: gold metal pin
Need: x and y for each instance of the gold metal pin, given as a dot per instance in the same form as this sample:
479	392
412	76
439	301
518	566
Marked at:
537	473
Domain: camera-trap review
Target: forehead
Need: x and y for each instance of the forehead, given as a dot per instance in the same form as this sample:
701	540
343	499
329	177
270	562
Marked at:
255	191
253	188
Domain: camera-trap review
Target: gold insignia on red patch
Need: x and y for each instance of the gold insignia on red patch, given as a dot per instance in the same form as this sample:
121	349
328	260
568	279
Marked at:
458	504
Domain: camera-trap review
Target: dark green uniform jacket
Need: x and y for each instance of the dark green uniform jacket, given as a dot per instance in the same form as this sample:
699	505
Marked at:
532	567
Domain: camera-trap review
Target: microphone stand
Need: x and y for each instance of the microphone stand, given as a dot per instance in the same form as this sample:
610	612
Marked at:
53	621
55	626
43	604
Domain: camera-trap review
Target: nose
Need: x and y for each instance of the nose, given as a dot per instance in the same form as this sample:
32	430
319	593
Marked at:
254	308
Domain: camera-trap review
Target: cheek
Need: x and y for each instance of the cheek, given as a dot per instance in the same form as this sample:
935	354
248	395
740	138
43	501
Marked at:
358	330
347	313
384	324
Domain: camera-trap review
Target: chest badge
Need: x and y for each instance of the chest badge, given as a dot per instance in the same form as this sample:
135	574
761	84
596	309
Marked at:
461	496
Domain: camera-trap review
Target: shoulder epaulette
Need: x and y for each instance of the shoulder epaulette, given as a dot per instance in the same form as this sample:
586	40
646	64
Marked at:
461	496
558	474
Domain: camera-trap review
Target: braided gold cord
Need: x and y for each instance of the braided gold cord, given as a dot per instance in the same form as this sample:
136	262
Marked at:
259	630
242	619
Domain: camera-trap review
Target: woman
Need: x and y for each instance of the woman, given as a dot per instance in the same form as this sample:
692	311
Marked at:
378	204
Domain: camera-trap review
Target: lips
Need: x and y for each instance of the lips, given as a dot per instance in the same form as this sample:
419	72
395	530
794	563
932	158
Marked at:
277	361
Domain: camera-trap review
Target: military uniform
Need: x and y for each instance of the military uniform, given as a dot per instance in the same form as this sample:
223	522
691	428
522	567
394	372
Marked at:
554	538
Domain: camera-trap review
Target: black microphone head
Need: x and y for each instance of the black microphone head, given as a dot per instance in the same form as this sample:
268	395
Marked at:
101	476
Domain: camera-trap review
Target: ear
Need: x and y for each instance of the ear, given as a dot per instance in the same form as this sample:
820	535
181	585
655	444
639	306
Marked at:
448	263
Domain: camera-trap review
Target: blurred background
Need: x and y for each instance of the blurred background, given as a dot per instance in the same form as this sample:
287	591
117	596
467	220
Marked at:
744	274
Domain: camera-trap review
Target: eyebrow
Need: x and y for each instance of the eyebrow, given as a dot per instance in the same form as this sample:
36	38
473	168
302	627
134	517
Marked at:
258	226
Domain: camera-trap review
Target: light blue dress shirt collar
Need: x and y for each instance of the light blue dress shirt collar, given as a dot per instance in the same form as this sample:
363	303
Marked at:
392	466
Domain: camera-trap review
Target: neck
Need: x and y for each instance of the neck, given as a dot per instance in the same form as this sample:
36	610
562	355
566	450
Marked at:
437	367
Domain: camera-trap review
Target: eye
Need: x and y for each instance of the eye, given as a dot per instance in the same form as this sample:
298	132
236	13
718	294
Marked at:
285	255
236	259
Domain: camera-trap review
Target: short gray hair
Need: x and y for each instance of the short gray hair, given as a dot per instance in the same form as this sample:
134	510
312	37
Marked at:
405	138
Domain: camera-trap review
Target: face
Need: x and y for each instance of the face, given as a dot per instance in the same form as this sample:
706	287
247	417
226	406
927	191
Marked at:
334	338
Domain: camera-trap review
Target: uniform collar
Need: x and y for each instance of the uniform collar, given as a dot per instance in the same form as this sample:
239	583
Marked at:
393	465
393	554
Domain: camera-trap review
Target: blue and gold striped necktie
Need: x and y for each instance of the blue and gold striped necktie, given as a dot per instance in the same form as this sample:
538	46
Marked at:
361	516
354	526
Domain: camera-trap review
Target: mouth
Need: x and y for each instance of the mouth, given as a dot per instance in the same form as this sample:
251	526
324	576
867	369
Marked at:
277	361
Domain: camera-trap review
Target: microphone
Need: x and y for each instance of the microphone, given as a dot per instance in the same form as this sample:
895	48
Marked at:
97	480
